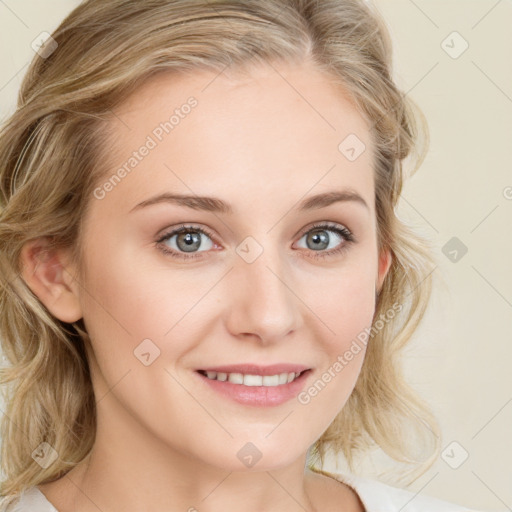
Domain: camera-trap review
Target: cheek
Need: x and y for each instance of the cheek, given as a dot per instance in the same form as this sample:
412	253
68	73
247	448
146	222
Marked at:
352	306
345	302
344	306
133	297
128	309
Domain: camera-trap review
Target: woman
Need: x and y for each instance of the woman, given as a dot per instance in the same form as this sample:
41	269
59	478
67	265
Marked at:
205	288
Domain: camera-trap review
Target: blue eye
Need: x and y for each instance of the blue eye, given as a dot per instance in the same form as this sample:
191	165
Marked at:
186	240
317	235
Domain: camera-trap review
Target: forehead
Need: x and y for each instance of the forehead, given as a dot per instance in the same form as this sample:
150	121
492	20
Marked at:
273	130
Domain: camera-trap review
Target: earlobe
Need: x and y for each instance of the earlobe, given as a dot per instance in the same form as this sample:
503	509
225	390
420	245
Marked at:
47	272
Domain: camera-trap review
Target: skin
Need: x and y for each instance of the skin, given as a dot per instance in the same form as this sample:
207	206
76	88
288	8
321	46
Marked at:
165	440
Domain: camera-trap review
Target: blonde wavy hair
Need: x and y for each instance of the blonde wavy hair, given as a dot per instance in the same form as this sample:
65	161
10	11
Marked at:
52	155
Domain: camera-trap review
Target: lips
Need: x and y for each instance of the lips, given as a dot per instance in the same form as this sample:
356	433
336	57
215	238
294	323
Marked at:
255	385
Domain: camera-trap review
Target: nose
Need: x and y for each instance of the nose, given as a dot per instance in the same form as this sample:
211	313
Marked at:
262	299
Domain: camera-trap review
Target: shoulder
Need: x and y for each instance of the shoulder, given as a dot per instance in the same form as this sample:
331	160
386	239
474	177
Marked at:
377	496
30	500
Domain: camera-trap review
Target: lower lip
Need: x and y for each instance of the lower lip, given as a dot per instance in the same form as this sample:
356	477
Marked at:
260	396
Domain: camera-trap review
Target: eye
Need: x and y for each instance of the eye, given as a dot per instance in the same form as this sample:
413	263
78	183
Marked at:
318	239
183	240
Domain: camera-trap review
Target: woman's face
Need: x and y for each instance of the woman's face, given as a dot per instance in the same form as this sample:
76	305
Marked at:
252	281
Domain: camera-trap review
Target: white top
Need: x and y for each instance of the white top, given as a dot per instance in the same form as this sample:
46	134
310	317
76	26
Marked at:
376	496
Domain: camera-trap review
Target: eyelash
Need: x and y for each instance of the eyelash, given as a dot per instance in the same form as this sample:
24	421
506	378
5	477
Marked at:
342	231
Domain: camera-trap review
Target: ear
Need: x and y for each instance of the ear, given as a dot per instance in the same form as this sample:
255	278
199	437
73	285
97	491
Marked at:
49	274
385	259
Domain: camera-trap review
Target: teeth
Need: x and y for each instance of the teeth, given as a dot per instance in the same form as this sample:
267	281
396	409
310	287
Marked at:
236	378
269	380
254	380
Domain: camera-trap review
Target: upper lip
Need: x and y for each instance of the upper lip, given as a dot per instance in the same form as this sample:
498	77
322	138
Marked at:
254	369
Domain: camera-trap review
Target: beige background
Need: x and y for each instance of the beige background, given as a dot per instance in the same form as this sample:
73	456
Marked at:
460	359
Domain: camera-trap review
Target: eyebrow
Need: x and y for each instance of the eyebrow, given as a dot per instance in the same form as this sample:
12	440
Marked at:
216	205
